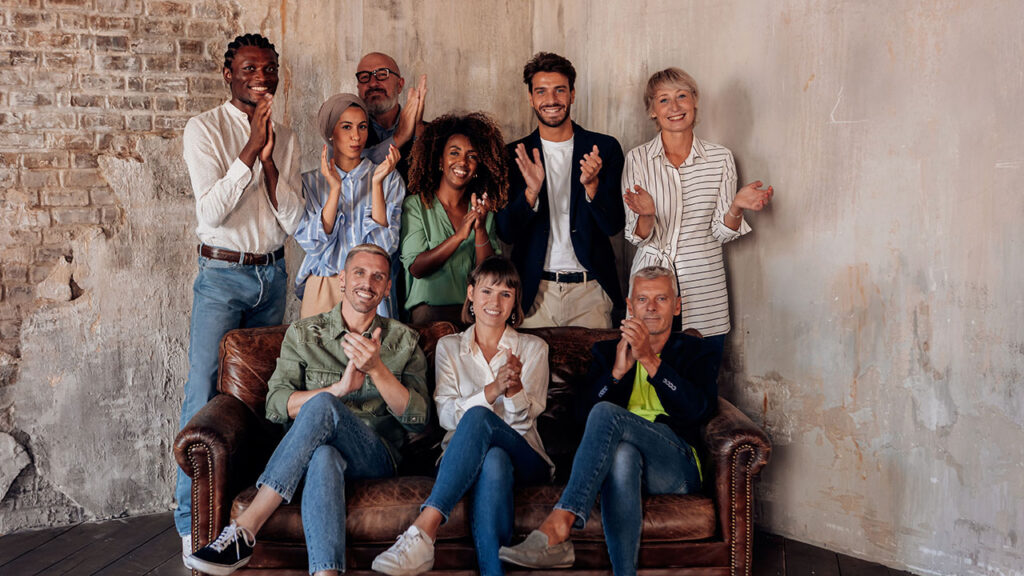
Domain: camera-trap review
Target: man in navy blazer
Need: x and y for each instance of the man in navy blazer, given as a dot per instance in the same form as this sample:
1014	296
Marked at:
564	203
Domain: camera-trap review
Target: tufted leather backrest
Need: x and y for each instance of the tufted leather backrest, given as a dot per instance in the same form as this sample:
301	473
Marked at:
248	358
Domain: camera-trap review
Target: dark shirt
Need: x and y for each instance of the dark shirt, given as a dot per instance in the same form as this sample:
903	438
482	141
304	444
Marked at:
686	383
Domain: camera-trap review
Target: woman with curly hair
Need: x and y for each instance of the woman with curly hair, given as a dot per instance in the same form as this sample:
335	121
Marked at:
457	180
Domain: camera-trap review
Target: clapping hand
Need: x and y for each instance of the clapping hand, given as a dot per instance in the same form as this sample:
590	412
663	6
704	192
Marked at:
509	376
590	165
351	381
639	201
328	171
532	171
753	196
387	166
363	352
624	359
412	114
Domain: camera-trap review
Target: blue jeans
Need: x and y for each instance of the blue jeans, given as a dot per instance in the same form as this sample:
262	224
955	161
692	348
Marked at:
225	296
486	454
624	456
326	445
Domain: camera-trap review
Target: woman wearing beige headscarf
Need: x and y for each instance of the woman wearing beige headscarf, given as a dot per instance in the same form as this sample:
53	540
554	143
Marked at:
349	201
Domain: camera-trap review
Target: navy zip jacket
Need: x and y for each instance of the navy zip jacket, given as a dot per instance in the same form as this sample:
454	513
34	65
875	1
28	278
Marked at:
591	223
686	383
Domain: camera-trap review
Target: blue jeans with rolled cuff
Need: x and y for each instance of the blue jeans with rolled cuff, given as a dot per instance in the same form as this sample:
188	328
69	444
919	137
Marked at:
225	296
625	456
326	445
488	456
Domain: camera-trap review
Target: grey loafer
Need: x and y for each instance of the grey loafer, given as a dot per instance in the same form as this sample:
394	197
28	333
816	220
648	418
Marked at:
534	552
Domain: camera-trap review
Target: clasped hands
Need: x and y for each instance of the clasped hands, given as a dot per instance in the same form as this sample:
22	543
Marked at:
633	347
363	358
508	380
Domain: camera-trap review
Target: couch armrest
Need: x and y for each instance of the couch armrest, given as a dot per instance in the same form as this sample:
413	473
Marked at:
738	449
223	449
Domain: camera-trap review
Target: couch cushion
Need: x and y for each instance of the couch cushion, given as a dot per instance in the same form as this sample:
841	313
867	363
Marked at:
379	510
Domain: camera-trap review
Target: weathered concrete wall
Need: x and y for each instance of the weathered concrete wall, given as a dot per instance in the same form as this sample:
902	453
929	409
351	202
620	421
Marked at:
876	307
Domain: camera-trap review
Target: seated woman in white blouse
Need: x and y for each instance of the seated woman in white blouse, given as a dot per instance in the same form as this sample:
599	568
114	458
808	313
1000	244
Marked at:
492	384
682	204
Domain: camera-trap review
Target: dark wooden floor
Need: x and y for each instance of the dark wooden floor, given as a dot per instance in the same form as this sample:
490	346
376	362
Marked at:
149	545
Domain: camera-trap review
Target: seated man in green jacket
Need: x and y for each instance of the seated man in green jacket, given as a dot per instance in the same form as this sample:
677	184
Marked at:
353	383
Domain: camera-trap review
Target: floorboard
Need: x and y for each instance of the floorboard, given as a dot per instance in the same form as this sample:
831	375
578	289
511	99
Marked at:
171	567
146	557
14	545
150	546
850	566
128	534
806	560
55	551
769	555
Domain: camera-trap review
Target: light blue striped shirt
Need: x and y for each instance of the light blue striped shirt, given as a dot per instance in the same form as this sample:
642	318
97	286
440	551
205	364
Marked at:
354	225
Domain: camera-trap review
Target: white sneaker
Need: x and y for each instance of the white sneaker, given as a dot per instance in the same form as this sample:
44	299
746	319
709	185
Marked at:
412	554
186	548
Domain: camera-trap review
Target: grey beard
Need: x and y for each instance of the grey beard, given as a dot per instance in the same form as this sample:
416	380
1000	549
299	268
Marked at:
378	107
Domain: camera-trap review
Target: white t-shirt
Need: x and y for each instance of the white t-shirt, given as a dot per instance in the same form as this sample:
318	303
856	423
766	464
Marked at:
560	256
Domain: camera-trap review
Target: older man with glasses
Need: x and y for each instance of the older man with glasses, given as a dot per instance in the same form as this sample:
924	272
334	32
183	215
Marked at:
380	84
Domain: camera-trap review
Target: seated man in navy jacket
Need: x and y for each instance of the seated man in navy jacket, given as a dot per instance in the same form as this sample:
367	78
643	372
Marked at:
564	203
650	391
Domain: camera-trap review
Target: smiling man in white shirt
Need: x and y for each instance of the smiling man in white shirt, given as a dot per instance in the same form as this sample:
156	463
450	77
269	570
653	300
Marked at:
244	170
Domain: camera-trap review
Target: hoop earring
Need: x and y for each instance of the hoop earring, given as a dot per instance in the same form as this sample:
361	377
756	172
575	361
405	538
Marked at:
512	319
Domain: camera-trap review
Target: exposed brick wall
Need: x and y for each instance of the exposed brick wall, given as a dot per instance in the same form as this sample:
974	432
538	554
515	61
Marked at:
79	79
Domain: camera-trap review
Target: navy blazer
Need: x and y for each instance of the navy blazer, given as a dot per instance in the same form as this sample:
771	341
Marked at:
686	383
591	223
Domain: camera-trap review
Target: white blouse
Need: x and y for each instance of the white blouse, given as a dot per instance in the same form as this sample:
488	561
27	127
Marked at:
462	373
690	203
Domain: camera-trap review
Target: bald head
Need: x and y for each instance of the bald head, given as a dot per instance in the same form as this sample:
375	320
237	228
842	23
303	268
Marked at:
381	96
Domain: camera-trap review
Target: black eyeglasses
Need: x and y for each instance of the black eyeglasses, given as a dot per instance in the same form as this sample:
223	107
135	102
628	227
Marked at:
381	74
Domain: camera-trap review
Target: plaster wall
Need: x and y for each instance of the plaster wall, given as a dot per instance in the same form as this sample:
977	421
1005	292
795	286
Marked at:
876	307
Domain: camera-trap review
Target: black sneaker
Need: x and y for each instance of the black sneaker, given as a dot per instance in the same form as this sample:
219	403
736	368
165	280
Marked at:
229	552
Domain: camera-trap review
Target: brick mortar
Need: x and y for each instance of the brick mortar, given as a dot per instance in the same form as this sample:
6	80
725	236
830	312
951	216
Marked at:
84	79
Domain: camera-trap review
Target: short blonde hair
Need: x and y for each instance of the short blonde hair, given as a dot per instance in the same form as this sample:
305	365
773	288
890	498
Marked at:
671	78
369	249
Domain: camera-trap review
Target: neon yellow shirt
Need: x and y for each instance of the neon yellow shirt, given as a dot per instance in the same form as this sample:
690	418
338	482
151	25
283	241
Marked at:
644	402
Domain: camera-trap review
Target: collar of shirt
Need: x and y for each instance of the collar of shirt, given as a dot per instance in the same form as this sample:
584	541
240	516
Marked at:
382	132
337	326
697	151
509	341
234	111
357	173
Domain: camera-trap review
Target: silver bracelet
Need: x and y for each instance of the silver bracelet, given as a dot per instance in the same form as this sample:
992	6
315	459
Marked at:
740	215
482	244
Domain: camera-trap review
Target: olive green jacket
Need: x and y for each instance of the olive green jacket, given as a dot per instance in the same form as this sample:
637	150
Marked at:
312	358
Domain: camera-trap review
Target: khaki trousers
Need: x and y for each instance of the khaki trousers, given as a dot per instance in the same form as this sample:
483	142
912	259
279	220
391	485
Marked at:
563	304
322	294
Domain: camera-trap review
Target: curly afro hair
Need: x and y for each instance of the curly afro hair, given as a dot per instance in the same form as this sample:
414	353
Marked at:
485	136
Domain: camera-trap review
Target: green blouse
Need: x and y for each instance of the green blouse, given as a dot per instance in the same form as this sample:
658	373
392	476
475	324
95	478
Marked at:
424	229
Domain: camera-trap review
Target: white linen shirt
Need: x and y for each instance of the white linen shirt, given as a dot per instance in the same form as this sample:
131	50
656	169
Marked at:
462	373
690	203
232	206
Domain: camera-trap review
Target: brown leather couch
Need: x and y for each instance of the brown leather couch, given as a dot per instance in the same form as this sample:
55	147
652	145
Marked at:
225	447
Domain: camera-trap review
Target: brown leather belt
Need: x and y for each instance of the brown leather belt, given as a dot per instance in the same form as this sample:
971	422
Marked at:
245	258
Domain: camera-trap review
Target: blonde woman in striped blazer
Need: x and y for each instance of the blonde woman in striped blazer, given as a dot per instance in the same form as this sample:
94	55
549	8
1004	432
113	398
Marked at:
682	204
